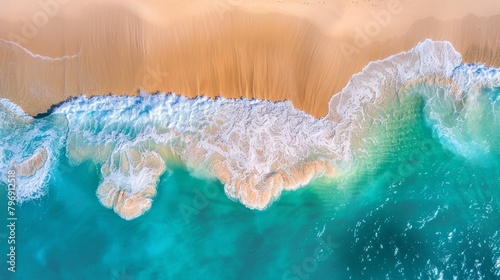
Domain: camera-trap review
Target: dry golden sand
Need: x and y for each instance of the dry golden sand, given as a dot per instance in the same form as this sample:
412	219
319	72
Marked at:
304	52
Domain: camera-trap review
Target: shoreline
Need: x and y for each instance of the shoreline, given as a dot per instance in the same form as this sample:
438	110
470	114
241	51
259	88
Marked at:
265	51
255	148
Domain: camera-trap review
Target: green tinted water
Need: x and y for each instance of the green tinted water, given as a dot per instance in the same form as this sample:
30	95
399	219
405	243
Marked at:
418	203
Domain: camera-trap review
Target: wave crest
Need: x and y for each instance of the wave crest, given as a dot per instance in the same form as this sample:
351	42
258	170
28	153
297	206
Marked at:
255	148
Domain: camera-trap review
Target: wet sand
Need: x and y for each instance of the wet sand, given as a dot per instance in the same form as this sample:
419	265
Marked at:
52	50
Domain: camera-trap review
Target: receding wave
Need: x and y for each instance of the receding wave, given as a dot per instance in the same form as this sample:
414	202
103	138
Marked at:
255	148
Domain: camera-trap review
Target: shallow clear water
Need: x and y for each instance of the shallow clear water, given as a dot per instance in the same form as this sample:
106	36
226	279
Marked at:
414	206
415	145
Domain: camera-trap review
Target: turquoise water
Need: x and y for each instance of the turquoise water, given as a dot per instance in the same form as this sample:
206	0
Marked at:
416	193
414	209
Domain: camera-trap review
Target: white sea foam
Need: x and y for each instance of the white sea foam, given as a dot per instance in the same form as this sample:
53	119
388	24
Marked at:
361	102
39	56
255	148
33	185
130	180
10	109
30	147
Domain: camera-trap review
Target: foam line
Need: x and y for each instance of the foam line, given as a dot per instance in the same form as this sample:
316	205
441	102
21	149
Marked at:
256	148
42	57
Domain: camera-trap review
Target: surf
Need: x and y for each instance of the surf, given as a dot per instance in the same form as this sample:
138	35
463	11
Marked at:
257	149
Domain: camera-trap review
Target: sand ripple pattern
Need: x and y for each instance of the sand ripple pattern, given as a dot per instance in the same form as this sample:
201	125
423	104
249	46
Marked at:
255	148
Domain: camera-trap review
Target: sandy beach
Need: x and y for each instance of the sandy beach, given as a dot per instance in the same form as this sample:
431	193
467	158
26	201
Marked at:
305	52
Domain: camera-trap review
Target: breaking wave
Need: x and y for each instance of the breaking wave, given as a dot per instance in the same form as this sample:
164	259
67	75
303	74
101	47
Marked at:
255	148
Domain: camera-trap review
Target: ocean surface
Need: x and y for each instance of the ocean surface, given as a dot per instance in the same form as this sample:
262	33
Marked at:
401	180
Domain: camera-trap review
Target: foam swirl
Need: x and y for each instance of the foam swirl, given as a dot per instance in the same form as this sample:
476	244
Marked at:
255	148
